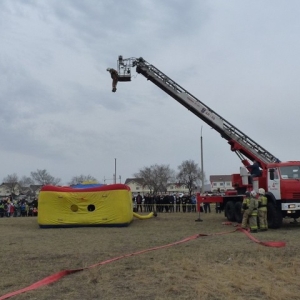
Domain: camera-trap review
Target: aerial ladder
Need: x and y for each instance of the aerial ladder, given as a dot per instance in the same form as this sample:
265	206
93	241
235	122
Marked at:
239	142
281	180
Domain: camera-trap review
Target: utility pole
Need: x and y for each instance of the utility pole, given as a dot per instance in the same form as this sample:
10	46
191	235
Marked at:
202	178
202	171
115	177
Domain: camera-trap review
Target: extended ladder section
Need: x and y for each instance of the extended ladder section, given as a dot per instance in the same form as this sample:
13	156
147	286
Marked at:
237	139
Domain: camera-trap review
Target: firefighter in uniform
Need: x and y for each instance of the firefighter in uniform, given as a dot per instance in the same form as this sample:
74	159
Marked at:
249	209
262	210
253	212
245	210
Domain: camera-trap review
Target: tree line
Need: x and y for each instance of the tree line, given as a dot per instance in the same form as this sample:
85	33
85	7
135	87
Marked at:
42	177
155	177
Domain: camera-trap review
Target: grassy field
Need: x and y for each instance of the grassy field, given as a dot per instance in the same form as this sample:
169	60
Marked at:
228	266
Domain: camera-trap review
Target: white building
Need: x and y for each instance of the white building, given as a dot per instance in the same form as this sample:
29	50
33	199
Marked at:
220	182
137	185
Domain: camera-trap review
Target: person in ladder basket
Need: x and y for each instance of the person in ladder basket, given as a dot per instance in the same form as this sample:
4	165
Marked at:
254	171
262	210
114	76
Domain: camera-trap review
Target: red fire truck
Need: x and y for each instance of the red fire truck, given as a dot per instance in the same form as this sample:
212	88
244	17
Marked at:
281	180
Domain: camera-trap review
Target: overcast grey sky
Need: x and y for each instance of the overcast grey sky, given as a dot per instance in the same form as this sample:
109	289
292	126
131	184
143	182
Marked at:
241	58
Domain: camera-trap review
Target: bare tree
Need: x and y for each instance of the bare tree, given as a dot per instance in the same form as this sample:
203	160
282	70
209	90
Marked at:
26	181
11	181
189	174
81	179
156	177
43	177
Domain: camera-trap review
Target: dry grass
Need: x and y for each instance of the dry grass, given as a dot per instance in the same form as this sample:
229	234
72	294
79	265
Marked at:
219	267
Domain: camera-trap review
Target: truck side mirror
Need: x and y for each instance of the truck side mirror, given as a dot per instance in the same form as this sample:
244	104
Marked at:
272	174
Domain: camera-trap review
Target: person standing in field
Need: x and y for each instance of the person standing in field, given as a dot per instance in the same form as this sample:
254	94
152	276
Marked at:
194	203
262	210
171	201
151	202
27	209
206	206
133	204
245	210
34	211
139	200
188	203
253	212
158	203
218	207
178	203
249	210
11	209
184	202
2	211
146	203
166	203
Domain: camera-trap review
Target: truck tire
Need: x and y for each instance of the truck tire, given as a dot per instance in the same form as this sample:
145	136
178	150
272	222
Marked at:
274	216
230	211
237	212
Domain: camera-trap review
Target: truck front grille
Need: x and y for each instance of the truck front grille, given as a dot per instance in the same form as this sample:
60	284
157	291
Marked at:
296	195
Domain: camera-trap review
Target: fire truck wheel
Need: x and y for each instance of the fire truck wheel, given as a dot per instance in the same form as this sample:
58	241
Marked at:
229	211
238	212
274	216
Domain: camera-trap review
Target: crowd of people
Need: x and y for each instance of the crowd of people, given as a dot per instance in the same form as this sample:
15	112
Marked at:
254	207
164	203
17	208
169	203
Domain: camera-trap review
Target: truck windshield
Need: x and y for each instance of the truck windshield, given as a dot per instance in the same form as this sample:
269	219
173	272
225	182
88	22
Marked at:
290	172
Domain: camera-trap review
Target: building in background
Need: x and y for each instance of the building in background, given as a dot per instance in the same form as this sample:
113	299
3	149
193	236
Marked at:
220	182
18	192
137	185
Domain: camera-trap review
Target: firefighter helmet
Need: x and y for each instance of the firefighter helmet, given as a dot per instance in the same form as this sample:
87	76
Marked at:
261	191
253	194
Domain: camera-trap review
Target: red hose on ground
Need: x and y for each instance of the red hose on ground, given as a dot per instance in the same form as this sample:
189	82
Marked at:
57	276
267	244
250	236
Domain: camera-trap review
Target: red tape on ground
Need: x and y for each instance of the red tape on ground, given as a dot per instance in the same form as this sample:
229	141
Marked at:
57	276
